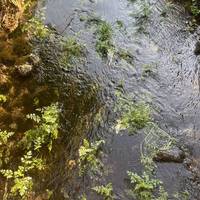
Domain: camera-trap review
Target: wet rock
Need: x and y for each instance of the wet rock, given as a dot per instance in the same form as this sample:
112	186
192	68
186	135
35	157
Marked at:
24	70
197	48
172	155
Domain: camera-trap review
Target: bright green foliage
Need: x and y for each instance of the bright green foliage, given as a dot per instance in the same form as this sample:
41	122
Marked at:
104	43
4	136
105	191
2	98
135	117
22	182
88	156
143	186
46	130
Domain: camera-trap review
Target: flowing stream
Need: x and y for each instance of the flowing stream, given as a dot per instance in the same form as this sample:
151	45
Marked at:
160	41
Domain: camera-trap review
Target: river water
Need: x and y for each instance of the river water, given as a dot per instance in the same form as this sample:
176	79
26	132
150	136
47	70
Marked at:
160	41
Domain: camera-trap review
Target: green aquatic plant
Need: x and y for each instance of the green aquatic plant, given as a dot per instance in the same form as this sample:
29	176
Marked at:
135	116
88	156
46	129
104	44
106	191
22	182
143	186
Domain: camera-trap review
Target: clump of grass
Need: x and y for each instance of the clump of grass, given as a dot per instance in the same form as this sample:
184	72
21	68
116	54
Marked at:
104	39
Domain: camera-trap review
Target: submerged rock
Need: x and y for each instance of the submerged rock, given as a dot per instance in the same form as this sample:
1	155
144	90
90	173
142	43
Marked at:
24	70
172	155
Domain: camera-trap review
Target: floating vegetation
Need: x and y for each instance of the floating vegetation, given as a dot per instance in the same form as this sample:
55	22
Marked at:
126	55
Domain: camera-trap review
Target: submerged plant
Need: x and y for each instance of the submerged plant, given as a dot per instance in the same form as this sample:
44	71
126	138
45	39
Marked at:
105	191
88	156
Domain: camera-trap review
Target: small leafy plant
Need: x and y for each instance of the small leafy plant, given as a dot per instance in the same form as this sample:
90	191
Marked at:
136	116
22	182
88	156
143	186
46	129
105	191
